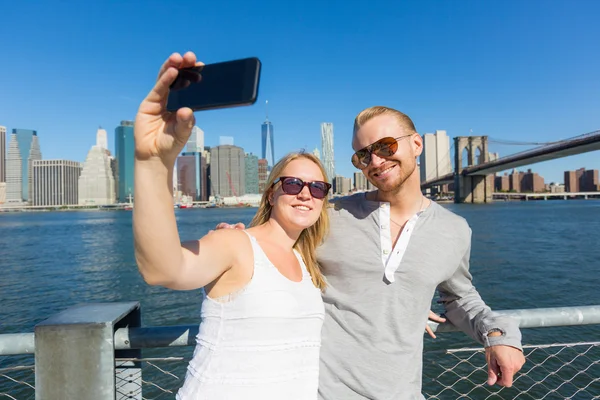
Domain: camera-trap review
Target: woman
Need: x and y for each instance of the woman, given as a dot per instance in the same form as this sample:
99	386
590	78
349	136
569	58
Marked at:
262	312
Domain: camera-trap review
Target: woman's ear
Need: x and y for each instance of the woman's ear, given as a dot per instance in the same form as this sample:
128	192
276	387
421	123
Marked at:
270	198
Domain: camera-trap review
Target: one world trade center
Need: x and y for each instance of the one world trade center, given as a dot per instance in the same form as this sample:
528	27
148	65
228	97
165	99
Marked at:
268	151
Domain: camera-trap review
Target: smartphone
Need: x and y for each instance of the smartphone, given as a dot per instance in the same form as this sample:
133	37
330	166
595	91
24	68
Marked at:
220	85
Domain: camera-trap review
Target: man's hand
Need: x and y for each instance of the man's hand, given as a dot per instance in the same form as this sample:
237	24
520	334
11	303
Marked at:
436	318
503	362
225	225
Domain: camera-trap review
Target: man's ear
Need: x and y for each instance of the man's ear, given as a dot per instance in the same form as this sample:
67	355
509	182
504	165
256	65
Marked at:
417	142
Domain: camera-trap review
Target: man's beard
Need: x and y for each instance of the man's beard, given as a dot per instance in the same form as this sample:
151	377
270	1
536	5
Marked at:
394	185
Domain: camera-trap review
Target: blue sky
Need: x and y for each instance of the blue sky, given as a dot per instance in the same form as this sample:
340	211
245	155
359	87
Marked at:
513	70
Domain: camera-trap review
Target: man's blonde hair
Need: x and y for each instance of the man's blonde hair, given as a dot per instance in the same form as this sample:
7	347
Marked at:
375	111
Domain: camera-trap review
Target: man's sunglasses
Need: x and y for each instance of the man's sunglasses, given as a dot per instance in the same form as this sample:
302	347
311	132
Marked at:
293	186
385	147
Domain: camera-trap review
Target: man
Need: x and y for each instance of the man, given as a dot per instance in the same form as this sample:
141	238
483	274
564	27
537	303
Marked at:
386	253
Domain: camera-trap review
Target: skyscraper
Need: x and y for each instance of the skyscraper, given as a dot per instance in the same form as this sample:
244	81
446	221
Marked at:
14	172
317	153
251	167
23	149
191	175
582	180
263	175
96	183
196	141
227	174
54	182
2	164
327	147
435	159
101	138
124	149
186	175
360	181
268	148
342	185
2	154
35	154
532	182
589	181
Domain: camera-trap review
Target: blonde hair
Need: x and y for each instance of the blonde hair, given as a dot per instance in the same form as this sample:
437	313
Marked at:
310	237
375	111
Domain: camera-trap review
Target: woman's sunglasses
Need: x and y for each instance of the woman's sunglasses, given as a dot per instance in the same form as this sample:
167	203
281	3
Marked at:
385	147
293	186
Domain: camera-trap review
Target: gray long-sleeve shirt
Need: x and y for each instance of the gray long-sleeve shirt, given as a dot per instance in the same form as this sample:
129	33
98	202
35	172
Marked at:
372	336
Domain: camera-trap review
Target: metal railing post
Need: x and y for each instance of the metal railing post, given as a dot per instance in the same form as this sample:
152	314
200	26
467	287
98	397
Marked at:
75	353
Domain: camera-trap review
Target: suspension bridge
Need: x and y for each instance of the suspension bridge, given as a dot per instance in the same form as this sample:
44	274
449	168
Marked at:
474	182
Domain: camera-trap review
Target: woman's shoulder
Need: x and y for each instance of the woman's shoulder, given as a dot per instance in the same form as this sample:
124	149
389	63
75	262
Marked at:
234	241
226	235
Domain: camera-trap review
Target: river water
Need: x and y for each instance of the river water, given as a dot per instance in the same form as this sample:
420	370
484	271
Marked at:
524	255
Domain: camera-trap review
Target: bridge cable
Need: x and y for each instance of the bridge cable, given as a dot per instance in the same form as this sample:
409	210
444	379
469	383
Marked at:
517	143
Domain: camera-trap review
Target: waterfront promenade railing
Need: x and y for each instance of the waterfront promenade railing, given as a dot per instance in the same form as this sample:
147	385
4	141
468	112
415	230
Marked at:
101	351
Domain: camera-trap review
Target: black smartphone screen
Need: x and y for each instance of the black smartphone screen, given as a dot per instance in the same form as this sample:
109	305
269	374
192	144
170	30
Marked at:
224	84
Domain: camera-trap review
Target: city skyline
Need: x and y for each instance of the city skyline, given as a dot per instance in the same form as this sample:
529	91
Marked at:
439	141
325	128
233	171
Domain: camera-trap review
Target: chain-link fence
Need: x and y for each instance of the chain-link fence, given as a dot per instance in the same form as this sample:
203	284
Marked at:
17	382
155	379
552	371
556	371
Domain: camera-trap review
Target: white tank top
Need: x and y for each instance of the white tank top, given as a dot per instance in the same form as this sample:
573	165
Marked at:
262	342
